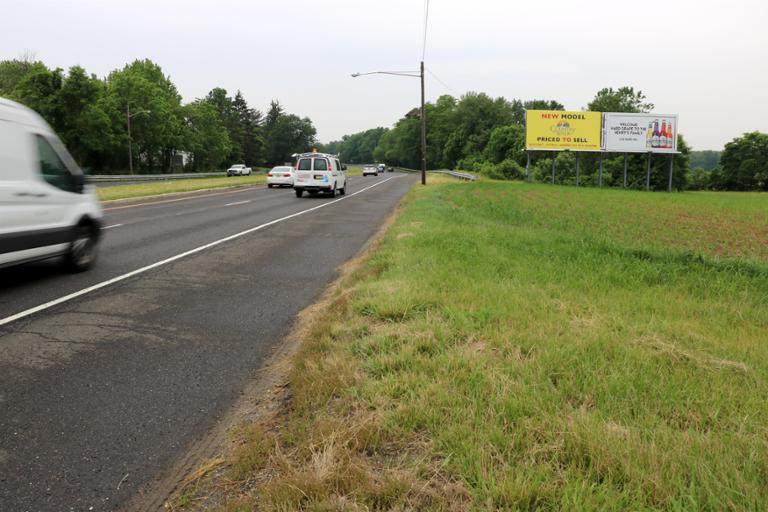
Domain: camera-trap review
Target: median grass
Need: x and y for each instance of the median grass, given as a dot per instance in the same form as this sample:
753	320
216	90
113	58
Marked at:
155	188
521	347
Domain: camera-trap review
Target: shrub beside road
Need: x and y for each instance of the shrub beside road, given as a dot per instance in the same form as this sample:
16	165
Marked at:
532	347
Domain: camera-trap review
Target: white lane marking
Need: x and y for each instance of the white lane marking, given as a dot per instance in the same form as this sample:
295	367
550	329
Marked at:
150	203
239	202
104	284
113	226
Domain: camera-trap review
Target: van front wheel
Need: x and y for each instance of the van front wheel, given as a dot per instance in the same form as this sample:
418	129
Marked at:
82	250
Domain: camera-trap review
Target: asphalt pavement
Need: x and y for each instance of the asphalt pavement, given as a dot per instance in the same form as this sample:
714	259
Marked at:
102	391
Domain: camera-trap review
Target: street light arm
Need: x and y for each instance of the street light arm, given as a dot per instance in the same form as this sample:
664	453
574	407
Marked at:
139	112
413	74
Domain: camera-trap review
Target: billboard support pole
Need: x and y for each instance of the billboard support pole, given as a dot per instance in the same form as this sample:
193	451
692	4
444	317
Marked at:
625	170
600	179
577	168
554	157
527	164
671	170
648	173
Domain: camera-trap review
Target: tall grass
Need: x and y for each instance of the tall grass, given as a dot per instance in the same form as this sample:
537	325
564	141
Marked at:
541	348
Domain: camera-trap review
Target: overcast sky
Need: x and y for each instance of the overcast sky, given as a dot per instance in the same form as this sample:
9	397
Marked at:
704	60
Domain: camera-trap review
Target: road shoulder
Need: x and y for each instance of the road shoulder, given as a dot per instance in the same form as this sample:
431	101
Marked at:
202	469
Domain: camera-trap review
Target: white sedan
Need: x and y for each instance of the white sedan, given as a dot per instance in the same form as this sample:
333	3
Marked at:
239	170
280	176
370	169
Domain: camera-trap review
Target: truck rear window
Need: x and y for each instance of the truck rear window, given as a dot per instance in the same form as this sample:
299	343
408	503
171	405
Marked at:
321	164
305	164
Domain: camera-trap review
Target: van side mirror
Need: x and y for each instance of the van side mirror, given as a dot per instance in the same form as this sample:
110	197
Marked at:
343	167
78	182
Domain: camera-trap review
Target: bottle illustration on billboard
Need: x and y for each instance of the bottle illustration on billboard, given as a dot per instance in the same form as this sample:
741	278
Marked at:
670	136
663	134
649	137
656	134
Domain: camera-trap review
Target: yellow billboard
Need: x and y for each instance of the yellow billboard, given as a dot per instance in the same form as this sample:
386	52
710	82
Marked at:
559	130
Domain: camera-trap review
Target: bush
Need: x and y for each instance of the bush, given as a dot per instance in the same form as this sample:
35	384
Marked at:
510	169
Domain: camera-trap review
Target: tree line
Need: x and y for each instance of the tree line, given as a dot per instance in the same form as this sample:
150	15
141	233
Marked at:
92	116
485	135
742	165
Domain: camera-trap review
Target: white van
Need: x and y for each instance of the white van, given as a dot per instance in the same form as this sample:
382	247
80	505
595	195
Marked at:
319	173
46	210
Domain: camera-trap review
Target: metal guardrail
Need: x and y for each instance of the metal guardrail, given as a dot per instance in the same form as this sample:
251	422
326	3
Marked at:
460	175
100	178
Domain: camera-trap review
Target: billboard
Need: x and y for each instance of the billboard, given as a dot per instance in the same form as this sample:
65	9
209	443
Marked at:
639	133
555	130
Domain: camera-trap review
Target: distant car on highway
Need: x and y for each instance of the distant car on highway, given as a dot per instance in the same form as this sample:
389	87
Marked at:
370	169
319	173
280	176
390	169
381	167
46	209
239	170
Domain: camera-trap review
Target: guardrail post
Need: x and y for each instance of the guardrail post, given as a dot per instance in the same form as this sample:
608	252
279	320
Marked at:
671	170
527	165
554	157
625	170
648	173
600	175
578	159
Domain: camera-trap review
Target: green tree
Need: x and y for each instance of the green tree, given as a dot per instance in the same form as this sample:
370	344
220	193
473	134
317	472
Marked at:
158	132
12	72
706	160
207	139
623	99
506	142
359	147
251	138
84	123
230	118
39	89
286	134
744	164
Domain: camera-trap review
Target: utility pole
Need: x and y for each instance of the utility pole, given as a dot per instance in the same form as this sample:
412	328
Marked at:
423	131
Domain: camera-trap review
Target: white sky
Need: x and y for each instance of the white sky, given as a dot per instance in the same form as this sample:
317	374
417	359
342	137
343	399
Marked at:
704	60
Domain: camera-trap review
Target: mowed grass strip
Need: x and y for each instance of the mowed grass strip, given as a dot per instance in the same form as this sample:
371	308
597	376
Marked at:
156	188
522	347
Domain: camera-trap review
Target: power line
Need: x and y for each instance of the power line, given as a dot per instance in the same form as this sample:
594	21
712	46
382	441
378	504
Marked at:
426	21
444	84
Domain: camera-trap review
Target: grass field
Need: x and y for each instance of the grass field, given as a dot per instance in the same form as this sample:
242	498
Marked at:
155	188
522	347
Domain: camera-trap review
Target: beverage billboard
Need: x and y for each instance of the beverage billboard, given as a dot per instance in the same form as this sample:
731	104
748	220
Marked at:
560	130
639	133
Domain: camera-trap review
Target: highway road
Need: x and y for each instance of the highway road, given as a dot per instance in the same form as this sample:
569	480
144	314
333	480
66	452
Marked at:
106	376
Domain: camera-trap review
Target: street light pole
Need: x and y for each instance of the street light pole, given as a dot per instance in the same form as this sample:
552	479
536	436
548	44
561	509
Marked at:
130	153
128	117
423	131
423	112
